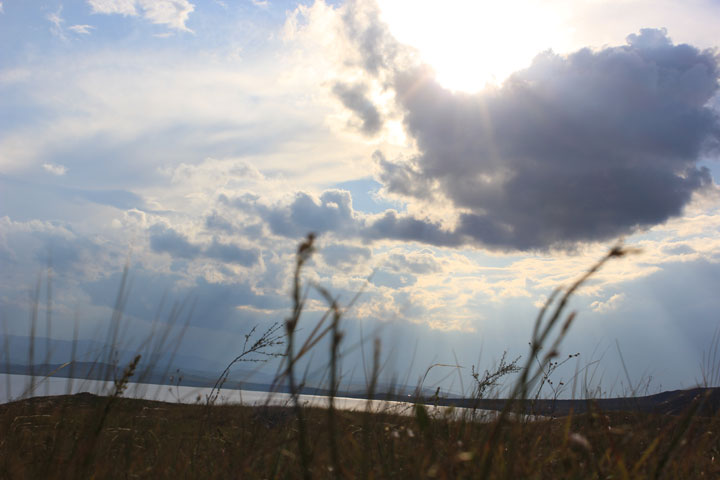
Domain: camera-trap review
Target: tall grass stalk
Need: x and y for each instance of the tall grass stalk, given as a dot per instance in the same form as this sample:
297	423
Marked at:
541	335
303	254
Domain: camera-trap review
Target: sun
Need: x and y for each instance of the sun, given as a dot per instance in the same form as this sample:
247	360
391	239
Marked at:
476	43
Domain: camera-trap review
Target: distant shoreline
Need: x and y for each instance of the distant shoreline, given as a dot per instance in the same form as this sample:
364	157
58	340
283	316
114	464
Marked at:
669	402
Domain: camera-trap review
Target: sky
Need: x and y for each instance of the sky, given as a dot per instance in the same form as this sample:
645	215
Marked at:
458	161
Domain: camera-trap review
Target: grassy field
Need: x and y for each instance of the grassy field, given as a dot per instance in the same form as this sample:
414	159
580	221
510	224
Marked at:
86	436
89	436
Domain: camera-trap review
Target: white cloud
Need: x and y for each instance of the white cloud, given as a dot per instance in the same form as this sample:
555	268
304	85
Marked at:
55	169
2	8
122	7
608	305
261	3
173	13
56	21
81	29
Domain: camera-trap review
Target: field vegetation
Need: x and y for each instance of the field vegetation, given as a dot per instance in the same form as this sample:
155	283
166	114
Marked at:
111	436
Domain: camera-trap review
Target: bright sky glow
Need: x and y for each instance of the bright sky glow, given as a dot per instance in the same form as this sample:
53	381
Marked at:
473	43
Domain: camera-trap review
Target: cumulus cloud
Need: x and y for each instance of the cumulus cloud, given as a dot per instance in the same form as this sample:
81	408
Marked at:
229	253
164	239
340	255
27	247
216	221
576	148
419	263
391	225
608	305
333	213
354	97
172	13
383	278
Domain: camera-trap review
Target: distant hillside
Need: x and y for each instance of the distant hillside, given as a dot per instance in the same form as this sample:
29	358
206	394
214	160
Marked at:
673	402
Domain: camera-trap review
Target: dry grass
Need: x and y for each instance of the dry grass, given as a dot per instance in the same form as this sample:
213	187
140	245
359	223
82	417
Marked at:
88	436
52	437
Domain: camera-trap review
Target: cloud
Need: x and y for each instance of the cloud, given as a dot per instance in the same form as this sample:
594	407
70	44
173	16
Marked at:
332	212
55	169
392	226
420	263
172	13
378	49
585	147
392	280
354	97
27	247
57	21
216	221
576	148
122	7
2	8
608	305
678	249
165	239
340	255
81	29
228	253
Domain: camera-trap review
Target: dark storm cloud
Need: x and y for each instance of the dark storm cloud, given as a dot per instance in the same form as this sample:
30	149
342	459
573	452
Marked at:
403	179
402	227
581	147
354	97
578	148
166	240
575	148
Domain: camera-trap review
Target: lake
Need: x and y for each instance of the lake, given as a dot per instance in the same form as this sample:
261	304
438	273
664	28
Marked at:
14	387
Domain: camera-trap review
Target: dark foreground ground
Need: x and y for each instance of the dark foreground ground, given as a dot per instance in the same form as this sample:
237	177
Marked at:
86	436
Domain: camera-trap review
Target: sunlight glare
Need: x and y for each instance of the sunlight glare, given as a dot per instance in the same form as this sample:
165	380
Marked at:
472	44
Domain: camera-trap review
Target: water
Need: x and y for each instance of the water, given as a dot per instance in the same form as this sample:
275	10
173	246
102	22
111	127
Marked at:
13	387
